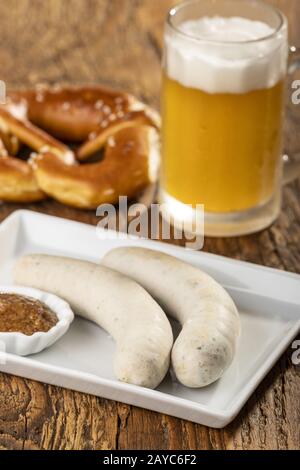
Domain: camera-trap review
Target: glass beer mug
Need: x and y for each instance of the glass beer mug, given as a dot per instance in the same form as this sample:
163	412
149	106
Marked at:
223	99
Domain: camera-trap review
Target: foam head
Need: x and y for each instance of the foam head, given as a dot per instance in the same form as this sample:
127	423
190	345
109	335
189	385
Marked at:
226	55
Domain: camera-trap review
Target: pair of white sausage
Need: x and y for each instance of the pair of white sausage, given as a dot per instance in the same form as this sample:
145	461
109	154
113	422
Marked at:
210	322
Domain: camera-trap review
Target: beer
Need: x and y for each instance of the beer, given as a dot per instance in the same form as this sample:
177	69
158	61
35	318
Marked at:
227	146
223	109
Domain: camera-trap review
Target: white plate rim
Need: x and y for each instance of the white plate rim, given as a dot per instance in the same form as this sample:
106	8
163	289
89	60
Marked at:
223	416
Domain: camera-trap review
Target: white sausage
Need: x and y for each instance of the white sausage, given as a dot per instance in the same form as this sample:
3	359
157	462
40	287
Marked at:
210	321
116	303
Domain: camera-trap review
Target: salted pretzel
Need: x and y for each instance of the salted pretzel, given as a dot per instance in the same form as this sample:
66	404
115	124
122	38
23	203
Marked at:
34	137
130	163
17	181
95	117
10	144
89	114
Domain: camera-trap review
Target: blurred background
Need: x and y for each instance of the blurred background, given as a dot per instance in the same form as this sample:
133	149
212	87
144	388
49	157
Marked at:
115	42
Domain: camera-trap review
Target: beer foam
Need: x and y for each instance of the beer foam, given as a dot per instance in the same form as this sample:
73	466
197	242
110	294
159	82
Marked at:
213	54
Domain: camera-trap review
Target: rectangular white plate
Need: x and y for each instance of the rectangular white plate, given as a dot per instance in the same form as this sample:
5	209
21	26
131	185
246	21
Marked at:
268	300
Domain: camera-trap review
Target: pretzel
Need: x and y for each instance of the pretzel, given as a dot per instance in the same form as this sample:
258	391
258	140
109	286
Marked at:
95	117
34	137
17	181
78	114
130	163
97	140
9	142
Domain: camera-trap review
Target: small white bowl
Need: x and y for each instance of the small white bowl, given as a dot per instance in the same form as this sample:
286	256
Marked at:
23	345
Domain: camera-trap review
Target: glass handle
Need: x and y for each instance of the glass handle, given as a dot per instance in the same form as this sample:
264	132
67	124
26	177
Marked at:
292	162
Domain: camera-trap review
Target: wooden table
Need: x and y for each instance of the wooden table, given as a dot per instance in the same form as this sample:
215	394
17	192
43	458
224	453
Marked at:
118	42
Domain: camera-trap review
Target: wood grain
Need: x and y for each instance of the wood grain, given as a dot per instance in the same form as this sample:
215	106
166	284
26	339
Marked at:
118	42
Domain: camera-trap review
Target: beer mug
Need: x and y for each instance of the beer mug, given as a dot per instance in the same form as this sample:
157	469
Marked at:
223	98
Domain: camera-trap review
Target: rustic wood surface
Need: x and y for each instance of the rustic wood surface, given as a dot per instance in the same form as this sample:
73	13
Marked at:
118	42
